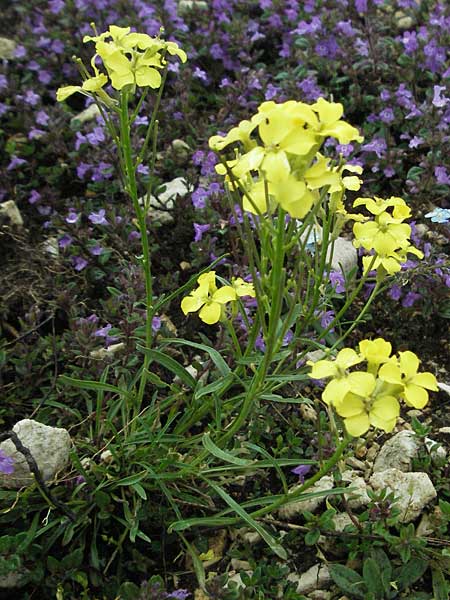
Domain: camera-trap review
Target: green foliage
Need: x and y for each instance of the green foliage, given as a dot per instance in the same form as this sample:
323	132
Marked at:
379	580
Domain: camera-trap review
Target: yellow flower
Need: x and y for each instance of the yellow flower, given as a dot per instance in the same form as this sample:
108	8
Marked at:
93	85
405	374
208	299
342	381
361	411
242	288
376	205
375	352
241	133
384	234
330	114
391	262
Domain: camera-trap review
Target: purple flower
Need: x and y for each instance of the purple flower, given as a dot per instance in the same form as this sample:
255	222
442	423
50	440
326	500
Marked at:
326	318
410	42
389	171
96	137
361	6
31	98
3	82
199	198
395	292
96	250
79	263
438	101
301	471
35	133
56	6
200	74
34	197
98	218
200	230
415	142
178	594
6	463
337	281
387	115
72	217
82	169
377	145
441	175
410	299
156	324
104	333
42	118
15	162
65	241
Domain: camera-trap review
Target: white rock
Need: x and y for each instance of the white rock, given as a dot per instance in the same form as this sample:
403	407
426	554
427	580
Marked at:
186	6
413	490
10	214
89	113
49	446
166	200
444	387
359	497
14	579
108	352
7	48
399	450
317	577
328	543
345	256
425	527
311	504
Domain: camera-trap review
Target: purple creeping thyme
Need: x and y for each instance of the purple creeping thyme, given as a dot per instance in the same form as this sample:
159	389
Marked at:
301	471
6	463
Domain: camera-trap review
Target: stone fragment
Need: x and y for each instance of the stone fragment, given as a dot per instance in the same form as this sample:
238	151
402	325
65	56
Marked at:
308	413
345	256
359	497
186	6
311	504
413	490
49	446
10	214
109	352
7	48
315	578
399	451
88	114
50	246
159	207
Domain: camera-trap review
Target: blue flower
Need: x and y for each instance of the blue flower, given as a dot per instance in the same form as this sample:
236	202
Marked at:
439	215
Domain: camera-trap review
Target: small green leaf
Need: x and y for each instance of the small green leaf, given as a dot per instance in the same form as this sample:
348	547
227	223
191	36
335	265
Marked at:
170	364
222	454
217	359
348	580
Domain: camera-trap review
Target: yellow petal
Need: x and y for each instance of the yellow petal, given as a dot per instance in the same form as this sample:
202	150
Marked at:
148	77
357	426
415	396
390	373
210	313
329	112
335	392
64	92
347	358
409	363
386	407
191	304
224	294
322	369
426	380
351	406
361	383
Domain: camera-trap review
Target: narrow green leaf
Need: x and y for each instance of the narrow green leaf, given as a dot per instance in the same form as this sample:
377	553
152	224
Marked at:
440	586
222	454
213	388
348	580
140	491
93	385
217	359
269	539
132	479
170	364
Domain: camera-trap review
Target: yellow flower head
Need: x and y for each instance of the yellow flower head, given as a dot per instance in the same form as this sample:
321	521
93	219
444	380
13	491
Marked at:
208	299
404	373
243	288
331	125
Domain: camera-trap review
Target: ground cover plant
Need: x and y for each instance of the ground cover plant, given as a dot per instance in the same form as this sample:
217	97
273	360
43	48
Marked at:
178	182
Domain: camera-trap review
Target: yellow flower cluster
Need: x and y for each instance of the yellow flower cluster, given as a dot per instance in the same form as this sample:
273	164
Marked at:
286	167
130	59
371	397
211	300
386	234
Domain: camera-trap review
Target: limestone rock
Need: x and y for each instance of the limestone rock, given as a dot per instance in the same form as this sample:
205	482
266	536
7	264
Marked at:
159	207
345	256
186	6
310	504
315	578
10	214
49	446
359	497
7	48
398	452
109	352
88	114
413	490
